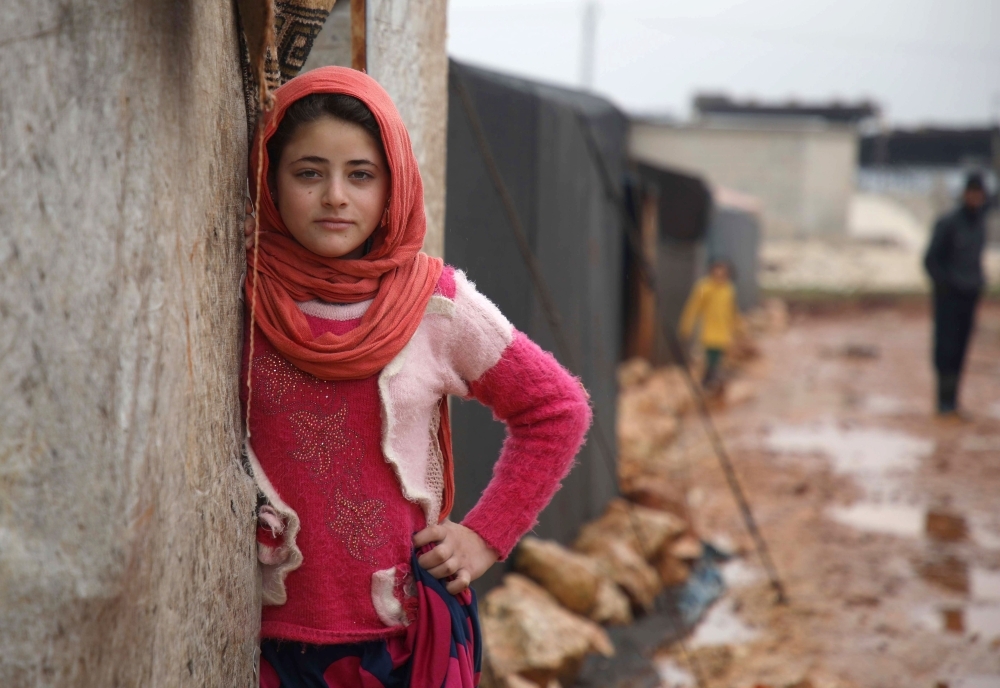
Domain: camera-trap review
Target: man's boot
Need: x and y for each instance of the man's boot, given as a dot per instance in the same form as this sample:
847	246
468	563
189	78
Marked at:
947	397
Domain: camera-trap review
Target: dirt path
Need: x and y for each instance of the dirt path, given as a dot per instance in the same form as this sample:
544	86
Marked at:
842	460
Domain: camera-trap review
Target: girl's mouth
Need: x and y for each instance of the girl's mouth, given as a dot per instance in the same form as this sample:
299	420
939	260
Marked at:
334	224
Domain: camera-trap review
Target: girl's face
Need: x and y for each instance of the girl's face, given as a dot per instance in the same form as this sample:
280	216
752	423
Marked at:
332	187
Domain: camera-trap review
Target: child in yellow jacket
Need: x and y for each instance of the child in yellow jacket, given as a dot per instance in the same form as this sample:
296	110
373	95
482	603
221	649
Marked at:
713	302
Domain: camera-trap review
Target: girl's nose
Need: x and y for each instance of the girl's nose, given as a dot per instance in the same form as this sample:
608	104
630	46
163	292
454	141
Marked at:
335	193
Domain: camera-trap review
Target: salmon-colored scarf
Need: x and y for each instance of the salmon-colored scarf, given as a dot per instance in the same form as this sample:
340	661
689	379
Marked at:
394	273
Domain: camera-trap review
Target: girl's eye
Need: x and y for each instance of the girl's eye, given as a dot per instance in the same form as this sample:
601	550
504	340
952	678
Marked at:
307	174
360	174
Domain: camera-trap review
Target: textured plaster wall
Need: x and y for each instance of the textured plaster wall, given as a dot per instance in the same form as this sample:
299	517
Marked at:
126	523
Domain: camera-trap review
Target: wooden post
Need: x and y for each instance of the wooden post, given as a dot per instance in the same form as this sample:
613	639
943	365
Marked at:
642	332
359	35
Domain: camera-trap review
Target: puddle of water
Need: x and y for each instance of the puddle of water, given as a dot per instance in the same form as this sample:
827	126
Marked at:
672	675
984	536
983	620
867	453
739	574
985	585
877	458
722	626
889	519
881	405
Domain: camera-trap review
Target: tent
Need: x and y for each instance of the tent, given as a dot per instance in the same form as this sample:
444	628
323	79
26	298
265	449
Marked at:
572	224
672	210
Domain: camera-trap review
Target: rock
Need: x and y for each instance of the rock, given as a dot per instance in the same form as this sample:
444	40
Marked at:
515	681
577	580
571	577
656	493
612	606
664	392
645	530
687	548
940	525
642	437
626	567
803	683
673	571
528	633
634	371
738	392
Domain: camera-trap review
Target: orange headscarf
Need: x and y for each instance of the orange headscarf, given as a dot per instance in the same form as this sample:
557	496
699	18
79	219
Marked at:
394	273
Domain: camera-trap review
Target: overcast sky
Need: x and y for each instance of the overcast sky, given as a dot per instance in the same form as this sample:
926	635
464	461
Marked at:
924	61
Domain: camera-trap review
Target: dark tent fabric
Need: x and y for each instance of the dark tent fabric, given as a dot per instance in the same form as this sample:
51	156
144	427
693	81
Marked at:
573	228
683	208
685	202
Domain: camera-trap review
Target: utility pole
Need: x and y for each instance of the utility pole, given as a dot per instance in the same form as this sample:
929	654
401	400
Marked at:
588	44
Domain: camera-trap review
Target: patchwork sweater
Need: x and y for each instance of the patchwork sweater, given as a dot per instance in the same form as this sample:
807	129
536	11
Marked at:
349	470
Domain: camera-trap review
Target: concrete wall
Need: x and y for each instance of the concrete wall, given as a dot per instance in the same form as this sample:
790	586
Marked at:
804	177
126	521
406	54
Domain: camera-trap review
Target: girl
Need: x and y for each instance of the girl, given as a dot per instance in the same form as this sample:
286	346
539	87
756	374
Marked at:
355	339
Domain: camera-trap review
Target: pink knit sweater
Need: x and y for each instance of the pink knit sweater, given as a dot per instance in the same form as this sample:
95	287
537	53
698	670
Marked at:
343	502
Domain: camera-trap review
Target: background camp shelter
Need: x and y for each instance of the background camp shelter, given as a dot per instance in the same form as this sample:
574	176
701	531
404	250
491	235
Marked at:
734	236
572	224
672	210
800	161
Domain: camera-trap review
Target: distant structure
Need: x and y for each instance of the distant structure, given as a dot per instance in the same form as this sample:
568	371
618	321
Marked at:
924	168
932	147
798	159
710	106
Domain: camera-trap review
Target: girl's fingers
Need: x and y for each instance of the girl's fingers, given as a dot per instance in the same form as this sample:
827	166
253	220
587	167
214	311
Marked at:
428	535
462	581
448	568
437	556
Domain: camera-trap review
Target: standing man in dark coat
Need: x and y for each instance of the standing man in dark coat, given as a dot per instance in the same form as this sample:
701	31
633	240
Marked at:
954	262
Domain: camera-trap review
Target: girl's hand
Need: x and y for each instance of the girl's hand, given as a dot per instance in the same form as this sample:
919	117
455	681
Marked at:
459	552
248	225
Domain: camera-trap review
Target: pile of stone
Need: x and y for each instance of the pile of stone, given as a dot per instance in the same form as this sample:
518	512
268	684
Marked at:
541	622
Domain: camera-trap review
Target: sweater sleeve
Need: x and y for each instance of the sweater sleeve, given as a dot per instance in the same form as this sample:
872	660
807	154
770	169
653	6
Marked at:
547	413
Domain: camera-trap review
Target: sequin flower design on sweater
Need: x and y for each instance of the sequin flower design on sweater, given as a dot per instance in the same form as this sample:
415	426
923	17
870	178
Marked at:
330	449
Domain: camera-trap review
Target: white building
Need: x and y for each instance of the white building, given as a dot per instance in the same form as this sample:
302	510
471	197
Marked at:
802	171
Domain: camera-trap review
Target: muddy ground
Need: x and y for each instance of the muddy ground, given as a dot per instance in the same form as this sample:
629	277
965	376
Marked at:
842	460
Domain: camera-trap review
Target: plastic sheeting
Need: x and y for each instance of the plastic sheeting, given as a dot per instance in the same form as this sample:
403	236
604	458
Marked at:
573	227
